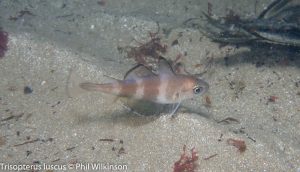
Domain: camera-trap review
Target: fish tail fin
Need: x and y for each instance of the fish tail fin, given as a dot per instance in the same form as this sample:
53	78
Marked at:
72	88
90	86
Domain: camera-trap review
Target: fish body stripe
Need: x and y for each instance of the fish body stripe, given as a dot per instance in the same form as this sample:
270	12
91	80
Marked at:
162	90
139	94
115	88
128	88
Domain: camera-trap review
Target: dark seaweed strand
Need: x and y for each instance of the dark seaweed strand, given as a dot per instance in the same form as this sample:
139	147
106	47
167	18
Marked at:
288	14
274	6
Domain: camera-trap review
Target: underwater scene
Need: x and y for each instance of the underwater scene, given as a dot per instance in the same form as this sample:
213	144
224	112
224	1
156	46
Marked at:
149	85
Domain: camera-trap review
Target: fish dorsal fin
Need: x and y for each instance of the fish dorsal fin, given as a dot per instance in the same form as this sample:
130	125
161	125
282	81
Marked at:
164	68
139	71
111	78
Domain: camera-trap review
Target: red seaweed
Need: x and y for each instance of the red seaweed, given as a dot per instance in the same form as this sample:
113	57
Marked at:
146	53
186	163
240	144
3	43
272	98
151	49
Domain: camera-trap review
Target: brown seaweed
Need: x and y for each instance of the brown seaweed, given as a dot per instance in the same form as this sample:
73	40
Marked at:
3	43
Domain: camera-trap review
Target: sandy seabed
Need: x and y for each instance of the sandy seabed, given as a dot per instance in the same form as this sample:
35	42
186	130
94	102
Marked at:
52	130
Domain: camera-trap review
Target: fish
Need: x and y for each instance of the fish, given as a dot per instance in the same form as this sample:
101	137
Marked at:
162	87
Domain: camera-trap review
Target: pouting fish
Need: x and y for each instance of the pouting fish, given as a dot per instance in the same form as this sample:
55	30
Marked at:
162	87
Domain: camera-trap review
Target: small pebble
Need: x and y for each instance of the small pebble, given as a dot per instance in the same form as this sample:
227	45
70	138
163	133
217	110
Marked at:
27	90
175	42
28	153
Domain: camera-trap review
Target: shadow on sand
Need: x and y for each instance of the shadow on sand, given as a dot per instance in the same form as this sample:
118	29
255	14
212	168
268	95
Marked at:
264	55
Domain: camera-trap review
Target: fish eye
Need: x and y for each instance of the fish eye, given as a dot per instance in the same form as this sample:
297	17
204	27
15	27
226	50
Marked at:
197	90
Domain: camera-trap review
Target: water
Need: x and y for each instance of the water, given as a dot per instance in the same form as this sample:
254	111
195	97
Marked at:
48	39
